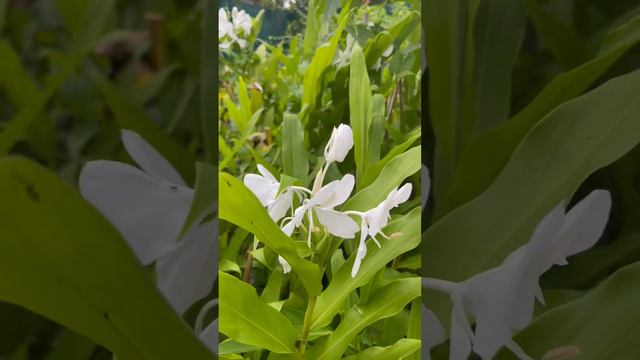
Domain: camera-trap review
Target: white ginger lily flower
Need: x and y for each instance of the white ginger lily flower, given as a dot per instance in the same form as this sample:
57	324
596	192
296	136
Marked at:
149	206
374	220
286	4
502	299
265	187
322	203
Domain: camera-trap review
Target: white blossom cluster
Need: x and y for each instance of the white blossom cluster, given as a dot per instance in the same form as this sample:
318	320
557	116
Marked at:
321	201
502	300
233	28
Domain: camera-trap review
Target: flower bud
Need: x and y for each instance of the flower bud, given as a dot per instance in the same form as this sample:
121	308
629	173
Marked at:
339	145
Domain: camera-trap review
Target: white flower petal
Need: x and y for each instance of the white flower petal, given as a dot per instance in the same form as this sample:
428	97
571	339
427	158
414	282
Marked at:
209	336
460	342
149	213
149	159
360	254
279	207
432	332
403	194
339	193
264	172
339	144
187	274
286	268
263	188
425	183
337	223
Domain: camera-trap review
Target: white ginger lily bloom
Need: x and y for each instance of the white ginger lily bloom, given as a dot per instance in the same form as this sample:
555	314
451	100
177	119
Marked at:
149	206
374	220
322	203
265	186
502	299
286	4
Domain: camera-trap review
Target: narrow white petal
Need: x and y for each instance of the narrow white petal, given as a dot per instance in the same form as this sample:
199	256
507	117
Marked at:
264	172
209	336
460	343
149	159
279	207
286	268
403	194
187	274
425	183
360	254
337	223
432	332
149	213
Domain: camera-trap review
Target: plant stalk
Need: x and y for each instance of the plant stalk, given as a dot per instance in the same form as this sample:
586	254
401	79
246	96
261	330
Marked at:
306	325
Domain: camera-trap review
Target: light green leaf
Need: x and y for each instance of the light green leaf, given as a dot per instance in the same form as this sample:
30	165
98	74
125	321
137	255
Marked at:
384	302
248	320
391	176
360	110
342	284
322	58
240	206
376	130
60	246
227	265
399	350
374	170
295	160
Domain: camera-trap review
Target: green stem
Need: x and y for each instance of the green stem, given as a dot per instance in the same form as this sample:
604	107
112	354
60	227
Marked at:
306	325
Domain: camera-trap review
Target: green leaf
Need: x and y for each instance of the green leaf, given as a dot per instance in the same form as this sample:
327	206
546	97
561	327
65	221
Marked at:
241	141
227	265
232	347
57	257
239	206
399	350
563	41
376	46
205	196
603	324
391	176
342	284
248	320
129	116
444	24
360	108
384	302
484	159
374	170
19	86
403	28
558	154
271	292
295	159
497	34
322	58
376	130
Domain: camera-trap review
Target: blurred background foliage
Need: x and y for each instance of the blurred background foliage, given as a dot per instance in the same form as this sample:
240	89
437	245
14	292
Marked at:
75	72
